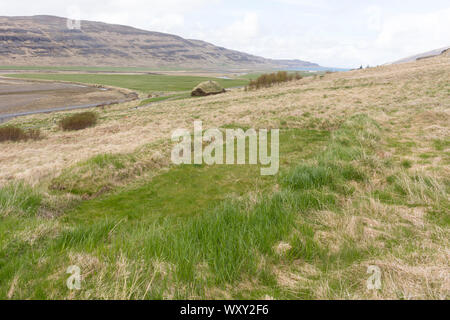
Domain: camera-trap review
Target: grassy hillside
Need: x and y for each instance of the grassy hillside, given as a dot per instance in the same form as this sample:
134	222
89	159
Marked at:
364	181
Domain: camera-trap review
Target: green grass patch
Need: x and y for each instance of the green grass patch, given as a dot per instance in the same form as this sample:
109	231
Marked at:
407	164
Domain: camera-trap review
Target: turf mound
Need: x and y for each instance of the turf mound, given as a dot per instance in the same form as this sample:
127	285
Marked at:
207	88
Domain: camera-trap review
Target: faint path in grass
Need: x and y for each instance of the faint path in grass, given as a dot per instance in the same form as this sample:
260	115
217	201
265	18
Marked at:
189	189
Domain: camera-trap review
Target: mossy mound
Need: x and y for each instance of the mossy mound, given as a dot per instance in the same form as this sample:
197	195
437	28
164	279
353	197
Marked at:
207	88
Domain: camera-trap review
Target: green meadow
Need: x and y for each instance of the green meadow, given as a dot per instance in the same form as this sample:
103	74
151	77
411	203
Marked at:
145	83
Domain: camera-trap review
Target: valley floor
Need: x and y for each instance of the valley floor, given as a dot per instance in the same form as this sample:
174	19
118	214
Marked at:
363	185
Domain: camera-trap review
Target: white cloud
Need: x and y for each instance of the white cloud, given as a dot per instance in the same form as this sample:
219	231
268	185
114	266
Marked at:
415	32
242	30
167	22
374	18
164	16
388	38
315	4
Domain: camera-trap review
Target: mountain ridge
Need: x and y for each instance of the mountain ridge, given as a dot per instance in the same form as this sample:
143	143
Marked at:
46	40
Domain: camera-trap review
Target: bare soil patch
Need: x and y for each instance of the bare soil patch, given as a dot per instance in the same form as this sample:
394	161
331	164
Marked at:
18	96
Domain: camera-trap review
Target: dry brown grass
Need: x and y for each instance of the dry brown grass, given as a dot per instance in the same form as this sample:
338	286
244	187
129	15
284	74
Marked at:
391	94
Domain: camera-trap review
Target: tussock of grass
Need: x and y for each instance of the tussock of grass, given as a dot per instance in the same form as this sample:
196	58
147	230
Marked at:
19	199
309	177
85	237
417	188
79	121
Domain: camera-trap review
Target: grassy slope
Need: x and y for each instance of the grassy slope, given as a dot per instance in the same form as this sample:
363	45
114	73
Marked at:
143	83
353	192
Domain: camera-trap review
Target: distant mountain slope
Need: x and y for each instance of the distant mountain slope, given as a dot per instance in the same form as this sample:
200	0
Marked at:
46	40
424	55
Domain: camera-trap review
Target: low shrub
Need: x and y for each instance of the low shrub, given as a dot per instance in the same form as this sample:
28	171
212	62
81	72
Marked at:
268	80
79	121
11	133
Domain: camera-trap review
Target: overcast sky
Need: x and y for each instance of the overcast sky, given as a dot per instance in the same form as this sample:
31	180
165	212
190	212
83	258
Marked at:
344	33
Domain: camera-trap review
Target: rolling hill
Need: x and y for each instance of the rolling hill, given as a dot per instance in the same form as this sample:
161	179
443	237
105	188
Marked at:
47	41
424	55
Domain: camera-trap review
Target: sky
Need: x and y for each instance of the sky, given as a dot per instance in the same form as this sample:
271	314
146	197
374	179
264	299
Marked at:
344	33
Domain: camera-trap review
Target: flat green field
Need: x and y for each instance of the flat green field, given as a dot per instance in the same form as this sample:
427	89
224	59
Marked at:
142	82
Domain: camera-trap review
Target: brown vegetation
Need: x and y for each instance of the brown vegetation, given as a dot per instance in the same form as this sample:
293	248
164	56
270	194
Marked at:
11	133
269	79
79	121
